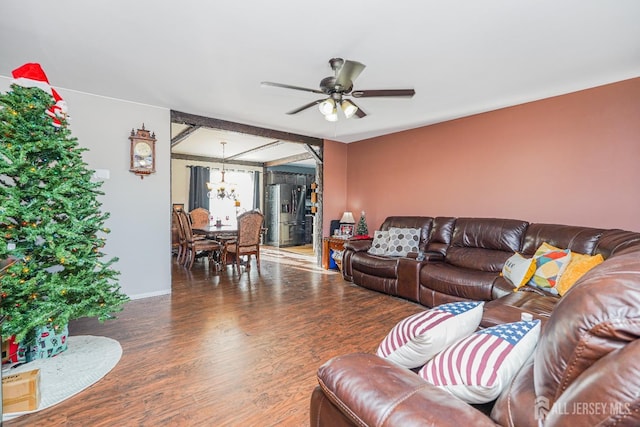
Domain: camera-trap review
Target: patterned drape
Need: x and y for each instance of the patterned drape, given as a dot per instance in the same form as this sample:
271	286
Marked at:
199	176
256	190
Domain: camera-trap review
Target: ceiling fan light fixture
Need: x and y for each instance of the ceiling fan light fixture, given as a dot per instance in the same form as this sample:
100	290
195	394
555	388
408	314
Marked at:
327	107
348	108
333	117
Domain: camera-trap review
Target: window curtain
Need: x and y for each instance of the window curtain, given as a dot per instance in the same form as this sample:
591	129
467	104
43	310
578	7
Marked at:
256	190
199	176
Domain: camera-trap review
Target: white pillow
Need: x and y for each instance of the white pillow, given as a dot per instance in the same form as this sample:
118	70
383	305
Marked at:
517	270
477	368
403	240
416	339
380	243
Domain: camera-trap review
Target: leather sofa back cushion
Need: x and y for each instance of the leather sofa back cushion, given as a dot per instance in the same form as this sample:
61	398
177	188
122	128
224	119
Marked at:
599	387
489	233
477	259
424	223
578	239
441	234
598	316
613	242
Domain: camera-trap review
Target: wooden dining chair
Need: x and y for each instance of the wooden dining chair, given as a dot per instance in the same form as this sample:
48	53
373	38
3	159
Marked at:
248	241
198	244
199	218
181	239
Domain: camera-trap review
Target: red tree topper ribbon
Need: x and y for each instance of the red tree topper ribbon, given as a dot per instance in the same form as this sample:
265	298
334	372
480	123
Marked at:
32	75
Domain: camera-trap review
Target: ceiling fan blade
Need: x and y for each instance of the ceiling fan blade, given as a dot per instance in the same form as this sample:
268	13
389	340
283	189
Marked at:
360	114
304	107
349	71
282	85
404	93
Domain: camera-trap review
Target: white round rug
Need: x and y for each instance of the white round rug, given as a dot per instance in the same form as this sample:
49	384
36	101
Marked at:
86	360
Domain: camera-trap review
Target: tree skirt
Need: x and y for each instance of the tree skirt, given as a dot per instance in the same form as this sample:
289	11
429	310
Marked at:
86	360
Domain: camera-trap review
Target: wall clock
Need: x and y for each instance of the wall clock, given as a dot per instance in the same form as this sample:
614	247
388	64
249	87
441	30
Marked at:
143	152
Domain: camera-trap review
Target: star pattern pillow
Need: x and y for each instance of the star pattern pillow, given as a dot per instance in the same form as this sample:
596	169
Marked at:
476	369
416	339
403	240
380	244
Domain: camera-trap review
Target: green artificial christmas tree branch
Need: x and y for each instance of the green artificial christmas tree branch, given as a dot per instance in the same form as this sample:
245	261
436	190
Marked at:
50	222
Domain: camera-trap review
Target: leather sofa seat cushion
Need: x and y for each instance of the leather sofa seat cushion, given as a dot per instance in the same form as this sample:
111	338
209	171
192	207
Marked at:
387	285
460	282
375	265
509	308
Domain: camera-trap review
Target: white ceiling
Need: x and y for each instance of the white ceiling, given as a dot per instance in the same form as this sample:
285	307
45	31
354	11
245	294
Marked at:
208	58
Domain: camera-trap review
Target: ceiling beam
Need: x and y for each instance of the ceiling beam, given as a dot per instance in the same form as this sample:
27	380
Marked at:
192	158
313	153
195	120
261	147
290	159
183	135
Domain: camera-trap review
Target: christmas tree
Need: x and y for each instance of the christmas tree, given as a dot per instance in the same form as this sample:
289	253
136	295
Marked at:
50	218
361	229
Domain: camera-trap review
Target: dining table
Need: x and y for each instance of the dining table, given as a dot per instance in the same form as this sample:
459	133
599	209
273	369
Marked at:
218	232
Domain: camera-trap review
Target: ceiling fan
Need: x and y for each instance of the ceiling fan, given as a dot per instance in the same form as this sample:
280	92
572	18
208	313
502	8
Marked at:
338	87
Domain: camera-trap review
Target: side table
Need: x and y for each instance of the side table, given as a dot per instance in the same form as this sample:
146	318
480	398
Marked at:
331	244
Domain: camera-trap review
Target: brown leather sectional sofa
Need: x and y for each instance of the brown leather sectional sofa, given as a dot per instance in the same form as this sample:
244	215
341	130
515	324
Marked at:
584	370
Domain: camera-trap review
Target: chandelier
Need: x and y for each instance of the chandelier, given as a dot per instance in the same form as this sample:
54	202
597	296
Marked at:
223	190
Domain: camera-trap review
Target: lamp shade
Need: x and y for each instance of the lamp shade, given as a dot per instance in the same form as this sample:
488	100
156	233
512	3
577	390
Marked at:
348	108
347	218
328	106
333	117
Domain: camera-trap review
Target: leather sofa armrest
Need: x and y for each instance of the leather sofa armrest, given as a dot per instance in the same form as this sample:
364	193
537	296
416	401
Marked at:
359	245
372	391
408	274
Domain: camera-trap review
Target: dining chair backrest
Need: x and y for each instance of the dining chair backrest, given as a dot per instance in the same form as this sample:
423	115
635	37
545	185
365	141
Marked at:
249	228
186	226
199	217
178	222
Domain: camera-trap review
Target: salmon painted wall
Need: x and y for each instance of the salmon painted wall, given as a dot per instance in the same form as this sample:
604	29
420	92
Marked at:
334	196
572	159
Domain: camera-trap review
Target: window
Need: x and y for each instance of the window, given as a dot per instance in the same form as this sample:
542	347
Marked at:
226	209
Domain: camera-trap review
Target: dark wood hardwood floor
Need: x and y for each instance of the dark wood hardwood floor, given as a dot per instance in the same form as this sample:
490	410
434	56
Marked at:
226	349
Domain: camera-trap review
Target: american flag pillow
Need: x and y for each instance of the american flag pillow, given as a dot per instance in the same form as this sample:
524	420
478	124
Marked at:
477	368
416	339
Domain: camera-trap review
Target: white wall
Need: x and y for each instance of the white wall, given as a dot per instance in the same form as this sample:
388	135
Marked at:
140	209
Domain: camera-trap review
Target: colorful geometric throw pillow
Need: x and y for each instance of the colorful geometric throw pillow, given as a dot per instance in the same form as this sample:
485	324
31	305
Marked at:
416	339
477	368
380	244
550	264
578	266
403	240
518	270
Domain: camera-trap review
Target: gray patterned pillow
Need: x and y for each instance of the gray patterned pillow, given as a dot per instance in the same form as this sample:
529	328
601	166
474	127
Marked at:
380	243
403	240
